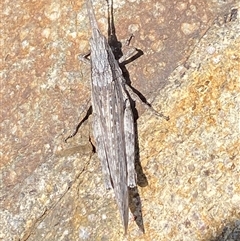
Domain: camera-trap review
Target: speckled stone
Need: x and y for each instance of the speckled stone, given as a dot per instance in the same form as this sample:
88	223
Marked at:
189	173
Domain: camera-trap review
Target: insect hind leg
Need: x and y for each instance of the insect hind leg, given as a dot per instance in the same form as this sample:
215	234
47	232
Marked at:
129	144
101	150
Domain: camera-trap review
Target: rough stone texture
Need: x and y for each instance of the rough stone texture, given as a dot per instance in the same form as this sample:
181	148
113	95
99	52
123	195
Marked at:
189	172
192	162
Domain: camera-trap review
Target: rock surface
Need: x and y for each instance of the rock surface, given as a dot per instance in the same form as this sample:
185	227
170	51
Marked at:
189	171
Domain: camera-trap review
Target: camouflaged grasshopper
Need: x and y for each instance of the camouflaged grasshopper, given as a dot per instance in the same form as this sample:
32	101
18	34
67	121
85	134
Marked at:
113	122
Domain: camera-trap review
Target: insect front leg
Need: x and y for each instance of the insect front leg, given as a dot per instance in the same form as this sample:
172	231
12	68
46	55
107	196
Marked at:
84	58
130	53
129	144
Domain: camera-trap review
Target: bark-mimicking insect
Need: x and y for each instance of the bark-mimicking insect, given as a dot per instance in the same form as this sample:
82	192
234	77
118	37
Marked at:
113	123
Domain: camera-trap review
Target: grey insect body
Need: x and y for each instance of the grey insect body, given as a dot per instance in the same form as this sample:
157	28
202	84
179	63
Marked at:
113	123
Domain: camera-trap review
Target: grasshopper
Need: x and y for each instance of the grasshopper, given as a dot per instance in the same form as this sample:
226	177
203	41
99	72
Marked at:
113	122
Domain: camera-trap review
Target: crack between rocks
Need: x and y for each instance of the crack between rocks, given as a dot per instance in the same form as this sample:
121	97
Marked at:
48	210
